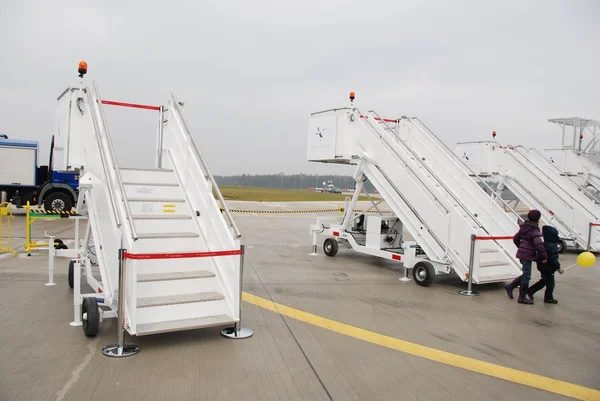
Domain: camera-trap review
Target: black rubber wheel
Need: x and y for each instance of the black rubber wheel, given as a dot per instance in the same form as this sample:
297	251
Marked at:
562	246
330	247
424	274
60	246
71	273
58	241
58	201
92	323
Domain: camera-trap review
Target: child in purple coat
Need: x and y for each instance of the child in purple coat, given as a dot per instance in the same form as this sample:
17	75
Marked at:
531	249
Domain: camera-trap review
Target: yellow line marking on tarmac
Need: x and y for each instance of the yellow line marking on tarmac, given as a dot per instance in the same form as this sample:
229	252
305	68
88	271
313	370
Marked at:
447	358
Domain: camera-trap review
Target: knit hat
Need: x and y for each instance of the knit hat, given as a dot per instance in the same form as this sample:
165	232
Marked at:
534	215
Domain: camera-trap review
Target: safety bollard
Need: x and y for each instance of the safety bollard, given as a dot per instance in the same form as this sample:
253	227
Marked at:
50	260
76	294
469	292
238	332
120	349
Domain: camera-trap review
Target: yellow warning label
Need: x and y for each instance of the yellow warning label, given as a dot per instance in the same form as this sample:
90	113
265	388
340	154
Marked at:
168	208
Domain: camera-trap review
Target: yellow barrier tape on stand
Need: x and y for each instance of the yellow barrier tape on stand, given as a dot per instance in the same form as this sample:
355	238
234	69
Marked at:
5	218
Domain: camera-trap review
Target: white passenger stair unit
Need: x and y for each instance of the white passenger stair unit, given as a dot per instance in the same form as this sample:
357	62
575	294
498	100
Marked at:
539	185
454	223
579	157
159	234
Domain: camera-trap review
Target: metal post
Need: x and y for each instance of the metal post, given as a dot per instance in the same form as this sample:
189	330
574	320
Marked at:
50	261
237	331
589	244
405	278
120	349
314	244
77	244
469	291
76	294
159	140
27	230
408	259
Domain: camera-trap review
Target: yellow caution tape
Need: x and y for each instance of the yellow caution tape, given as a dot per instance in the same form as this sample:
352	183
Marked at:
341	209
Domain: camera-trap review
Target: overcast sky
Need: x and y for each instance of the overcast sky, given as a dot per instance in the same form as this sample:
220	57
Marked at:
251	72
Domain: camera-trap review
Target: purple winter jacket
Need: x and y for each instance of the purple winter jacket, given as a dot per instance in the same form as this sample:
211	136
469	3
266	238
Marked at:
530	242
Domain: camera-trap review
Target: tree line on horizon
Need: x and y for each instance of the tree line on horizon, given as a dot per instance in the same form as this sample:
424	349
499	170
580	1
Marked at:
304	181
289	181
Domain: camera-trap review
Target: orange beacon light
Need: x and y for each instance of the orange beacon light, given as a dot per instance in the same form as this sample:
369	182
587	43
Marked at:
82	69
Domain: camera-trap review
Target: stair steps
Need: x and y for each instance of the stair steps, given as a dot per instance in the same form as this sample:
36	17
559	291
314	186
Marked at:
146	278
183	324
178	299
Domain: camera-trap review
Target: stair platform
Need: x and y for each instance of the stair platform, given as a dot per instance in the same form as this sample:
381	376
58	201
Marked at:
168	235
185	324
145	278
179	299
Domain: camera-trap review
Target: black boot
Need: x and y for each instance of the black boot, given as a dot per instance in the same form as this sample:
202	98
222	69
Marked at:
510	287
522	291
549	295
535	288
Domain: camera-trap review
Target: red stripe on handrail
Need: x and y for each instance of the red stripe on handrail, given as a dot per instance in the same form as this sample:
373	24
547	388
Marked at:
493	238
387	120
595	224
180	255
133	105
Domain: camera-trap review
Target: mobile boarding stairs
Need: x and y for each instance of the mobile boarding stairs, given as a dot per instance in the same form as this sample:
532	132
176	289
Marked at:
456	226
168	258
579	157
539	185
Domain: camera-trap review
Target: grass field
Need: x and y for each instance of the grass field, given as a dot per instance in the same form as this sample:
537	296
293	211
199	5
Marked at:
278	195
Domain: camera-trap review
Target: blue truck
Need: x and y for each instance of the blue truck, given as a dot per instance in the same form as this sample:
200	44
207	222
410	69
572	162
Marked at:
22	180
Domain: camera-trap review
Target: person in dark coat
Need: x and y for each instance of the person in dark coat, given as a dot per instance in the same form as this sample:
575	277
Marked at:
551	239
531	249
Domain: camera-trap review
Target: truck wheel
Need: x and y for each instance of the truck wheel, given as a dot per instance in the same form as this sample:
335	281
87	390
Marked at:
561	246
91	323
330	247
58	201
424	274
71	273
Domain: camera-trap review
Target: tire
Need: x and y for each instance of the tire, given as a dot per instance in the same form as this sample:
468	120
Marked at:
92	323
424	274
562	246
330	247
71	273
58	201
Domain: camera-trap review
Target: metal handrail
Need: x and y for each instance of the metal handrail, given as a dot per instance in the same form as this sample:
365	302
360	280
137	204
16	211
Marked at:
453	155
188	131
406	164
102	158
510	177
572	183
113	160
442	244
554	182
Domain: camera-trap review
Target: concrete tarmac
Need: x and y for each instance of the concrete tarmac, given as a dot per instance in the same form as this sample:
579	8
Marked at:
43	358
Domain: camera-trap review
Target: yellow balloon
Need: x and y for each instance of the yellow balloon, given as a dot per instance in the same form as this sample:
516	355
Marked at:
586	259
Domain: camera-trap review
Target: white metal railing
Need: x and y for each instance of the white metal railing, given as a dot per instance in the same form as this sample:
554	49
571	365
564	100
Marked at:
103	161
570	196
408	167
573	184
460	163
113	163
213	227
491	218
177	109
425	185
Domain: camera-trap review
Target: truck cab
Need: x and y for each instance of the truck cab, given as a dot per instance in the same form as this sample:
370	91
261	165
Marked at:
22	180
